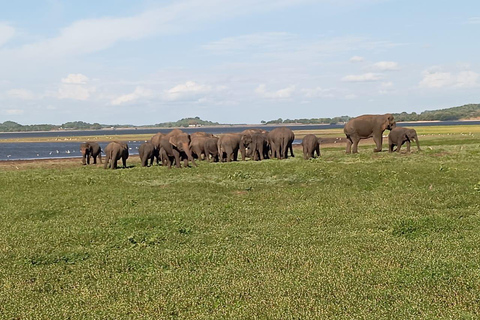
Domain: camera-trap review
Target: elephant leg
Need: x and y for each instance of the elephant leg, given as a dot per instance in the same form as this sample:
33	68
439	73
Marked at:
243	152
177	159
100	157
378	142
355	142
408	146
349	145
88	158
390	147
318	150
124	161
94	159
399	145
114	163
84	161
291	150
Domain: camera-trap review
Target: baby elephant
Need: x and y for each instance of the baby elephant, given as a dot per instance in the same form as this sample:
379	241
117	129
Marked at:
90	149
398	136
115	151
311	145
146	152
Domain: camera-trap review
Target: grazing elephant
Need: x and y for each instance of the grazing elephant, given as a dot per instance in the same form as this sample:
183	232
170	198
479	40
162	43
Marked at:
211	149
256	144
115	151
244	151
155	140
280	141
398	136
311	145
146	152
367	126
228	146
176	144
90	149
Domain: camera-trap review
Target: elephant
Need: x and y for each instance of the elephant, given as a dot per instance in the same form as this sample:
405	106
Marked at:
256	144
201	134
197	146
115	151
367	126
228	146
211	149
146	152
398	136
176	144
155	140
280	141
311	145
90	149
244	151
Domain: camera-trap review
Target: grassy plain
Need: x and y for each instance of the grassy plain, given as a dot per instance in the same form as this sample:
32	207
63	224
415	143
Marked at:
369	236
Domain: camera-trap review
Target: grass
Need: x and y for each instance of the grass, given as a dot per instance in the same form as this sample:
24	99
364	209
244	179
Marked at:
366	236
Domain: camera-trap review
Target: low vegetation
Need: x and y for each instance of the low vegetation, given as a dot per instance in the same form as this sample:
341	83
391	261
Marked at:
370	236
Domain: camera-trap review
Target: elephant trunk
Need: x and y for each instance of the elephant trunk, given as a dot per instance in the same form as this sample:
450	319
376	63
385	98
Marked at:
188	152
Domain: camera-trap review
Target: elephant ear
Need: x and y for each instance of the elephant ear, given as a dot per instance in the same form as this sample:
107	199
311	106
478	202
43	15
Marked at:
173	141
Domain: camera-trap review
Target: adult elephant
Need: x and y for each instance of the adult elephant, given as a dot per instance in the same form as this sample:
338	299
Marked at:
90	149
146	152
311	145
197	146
115	151
256	144
398	136
155	140
367	126
246	134
228	146
280	141
176	144
211	149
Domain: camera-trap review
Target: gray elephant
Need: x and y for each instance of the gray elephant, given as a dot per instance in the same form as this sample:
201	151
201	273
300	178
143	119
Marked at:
146	152
367	126
398	136
211	149
115	151
256	144
280	141
311	145
244	150
197	145
228	146
155	140
176	145
90	149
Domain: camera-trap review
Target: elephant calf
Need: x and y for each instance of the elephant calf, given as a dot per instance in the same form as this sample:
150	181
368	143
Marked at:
311	145
211	149
398	136
146	152
115	151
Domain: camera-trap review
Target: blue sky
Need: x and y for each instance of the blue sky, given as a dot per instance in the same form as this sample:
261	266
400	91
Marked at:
145	62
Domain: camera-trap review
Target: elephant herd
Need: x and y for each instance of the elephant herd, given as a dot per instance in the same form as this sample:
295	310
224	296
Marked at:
257	144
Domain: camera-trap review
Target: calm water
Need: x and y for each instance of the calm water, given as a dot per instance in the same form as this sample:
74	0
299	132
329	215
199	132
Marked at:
46	150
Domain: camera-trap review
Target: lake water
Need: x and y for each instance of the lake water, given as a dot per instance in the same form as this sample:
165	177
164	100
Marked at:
65	149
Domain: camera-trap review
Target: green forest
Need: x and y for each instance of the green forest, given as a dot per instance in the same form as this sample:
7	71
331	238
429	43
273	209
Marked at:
468	111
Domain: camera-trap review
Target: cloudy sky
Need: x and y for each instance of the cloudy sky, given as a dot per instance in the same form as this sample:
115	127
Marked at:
231	61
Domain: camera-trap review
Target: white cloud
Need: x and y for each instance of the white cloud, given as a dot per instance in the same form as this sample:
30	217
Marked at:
6	33
187	89
386	66
139	92
279	94
318	92
75	79
22	94
438	79
13	112
366	77
356	59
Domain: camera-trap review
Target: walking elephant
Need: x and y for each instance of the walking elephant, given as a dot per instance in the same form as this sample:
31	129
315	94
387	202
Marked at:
367	126
228	146
115	151
398	136
90	149
155	140
311	145
146	152
197	146
280	141
247	133
176	144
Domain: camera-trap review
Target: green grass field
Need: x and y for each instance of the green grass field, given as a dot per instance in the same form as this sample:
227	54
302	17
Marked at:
365	236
